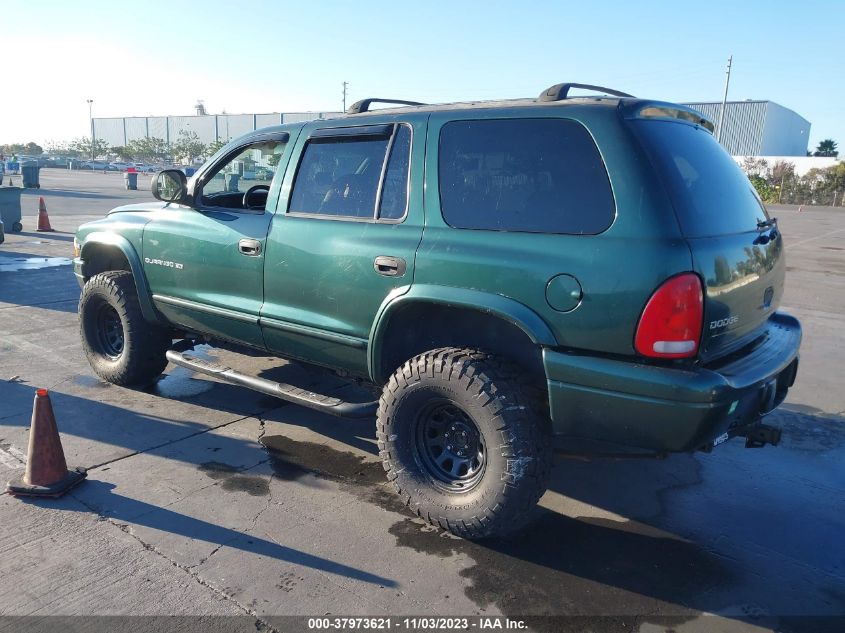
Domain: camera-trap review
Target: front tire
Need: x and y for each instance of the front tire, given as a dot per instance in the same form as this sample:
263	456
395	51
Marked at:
461	443
121	346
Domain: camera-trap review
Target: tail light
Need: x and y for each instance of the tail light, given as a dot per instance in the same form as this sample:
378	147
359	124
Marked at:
670	326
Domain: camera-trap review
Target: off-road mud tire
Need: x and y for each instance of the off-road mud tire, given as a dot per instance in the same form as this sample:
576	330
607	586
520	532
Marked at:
141	358
516	439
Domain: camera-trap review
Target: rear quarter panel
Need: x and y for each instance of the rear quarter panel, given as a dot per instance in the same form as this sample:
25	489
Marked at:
617	269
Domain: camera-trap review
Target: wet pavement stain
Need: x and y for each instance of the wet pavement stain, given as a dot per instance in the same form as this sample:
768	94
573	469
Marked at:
180	382
90	381
217	470
13	264
292	460
558	564
561	564
810	429
232	480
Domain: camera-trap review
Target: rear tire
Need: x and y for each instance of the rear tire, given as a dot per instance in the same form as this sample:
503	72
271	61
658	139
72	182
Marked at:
121	346
461	442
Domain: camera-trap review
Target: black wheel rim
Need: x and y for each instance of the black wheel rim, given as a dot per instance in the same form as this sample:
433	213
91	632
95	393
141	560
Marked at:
110	331
450	446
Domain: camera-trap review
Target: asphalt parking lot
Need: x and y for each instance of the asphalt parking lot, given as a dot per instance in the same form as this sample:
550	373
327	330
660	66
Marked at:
204	499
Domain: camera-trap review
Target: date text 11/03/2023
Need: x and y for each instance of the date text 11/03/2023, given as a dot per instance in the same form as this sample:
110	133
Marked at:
416	623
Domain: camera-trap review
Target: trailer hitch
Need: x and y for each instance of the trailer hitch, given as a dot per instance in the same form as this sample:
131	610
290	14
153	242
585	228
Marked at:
758	435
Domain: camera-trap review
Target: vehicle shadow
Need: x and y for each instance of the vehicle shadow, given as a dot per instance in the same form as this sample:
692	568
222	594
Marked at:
693	530
122	509
67	193
628	536
62	236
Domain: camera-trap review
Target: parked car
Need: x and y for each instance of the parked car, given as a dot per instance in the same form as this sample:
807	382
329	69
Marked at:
263	173
144	168
119	166
56	161
508	275
96	165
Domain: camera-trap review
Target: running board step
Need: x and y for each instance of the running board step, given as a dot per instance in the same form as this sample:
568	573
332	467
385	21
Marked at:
302	397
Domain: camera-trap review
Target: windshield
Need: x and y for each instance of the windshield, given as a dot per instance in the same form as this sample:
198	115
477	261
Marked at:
710	193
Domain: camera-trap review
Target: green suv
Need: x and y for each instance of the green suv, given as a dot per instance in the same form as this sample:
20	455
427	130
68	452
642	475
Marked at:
511	275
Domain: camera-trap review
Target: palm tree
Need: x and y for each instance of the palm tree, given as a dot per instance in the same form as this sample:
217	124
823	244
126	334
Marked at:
827	148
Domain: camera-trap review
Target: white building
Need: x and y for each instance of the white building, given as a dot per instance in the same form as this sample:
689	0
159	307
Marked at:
758	128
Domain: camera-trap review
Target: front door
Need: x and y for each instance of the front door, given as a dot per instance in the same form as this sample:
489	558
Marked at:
205	263
349	221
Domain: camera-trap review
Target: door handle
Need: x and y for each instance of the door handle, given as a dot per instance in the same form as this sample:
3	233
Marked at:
389	266
249	247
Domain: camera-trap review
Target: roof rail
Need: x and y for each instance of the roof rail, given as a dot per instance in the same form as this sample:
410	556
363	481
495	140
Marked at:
364	104
558	92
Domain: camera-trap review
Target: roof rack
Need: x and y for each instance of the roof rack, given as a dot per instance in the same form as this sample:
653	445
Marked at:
364	104
558	92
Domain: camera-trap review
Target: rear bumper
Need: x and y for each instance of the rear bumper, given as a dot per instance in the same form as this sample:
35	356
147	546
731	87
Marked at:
668	409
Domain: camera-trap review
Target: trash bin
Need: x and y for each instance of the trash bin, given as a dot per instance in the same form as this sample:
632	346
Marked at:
13	166
232	182
2	233
30	174
130	179
190	171
10	208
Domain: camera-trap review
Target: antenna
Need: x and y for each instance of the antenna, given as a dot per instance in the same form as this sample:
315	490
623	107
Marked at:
345	86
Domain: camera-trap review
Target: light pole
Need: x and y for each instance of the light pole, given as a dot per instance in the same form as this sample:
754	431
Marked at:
91	122
724	101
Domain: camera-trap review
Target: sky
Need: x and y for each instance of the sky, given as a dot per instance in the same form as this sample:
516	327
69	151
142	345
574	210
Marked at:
158	58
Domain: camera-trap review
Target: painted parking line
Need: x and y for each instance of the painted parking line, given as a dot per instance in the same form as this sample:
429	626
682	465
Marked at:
811	239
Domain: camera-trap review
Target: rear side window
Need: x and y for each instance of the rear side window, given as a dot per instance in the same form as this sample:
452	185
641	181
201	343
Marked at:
340	175
710	193
531	175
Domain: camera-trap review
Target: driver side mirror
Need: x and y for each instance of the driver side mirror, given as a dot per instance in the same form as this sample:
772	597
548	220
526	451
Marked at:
170	185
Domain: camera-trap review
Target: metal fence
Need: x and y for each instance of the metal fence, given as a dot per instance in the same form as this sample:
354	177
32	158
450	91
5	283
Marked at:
801	196
119	131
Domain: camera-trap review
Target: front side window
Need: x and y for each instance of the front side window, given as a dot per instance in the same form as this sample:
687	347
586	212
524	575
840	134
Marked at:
253	166
340	176
530	175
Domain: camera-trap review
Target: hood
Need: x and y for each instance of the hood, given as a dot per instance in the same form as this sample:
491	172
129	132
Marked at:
139	208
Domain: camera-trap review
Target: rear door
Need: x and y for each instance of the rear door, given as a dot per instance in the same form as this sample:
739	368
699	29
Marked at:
736	248
344	237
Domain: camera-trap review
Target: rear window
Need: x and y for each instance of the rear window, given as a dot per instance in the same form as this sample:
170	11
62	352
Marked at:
530	175
710	193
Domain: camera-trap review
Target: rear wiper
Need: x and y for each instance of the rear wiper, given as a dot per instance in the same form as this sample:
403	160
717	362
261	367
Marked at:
762	225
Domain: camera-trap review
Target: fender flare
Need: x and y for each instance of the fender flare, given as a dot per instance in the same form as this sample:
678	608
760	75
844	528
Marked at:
113	240
505	308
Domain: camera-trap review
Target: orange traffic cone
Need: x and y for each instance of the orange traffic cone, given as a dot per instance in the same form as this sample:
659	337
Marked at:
43	218
46	472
